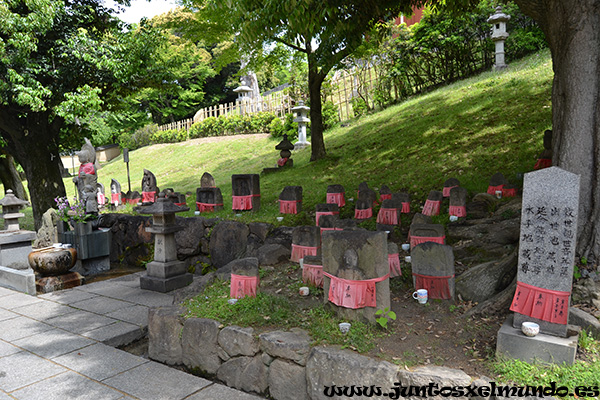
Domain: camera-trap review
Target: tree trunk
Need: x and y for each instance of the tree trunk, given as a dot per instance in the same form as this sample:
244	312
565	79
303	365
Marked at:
33	141
315	80
571	29
10	177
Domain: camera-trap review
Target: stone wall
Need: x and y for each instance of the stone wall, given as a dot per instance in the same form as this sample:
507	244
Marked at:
279	364
209	241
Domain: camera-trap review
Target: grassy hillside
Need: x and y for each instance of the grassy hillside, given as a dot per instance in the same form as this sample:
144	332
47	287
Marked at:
469	130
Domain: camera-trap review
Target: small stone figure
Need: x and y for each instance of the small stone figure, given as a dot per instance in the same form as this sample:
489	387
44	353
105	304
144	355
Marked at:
149	188
87	175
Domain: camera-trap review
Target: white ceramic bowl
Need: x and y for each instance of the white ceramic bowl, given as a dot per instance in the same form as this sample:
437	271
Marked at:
279	219
453	218
530	328
304	291
344	327
232	301
406	247
407	259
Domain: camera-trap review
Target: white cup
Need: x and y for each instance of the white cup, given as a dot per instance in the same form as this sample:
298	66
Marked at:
344	327
453	218
420	295
498	194
196	212
232	301
407	259
238	215
279	219
406	247
303	291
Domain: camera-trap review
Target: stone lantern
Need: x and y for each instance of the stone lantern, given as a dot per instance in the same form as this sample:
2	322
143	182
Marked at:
11	205
499	35
165	272
244	97
302	119
285	146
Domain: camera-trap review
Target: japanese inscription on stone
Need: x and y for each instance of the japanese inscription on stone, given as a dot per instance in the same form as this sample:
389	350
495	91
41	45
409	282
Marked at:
547	249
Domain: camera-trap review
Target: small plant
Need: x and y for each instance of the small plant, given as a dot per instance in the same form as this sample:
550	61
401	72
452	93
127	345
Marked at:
63	208
576	272
583	261
453	308
385	315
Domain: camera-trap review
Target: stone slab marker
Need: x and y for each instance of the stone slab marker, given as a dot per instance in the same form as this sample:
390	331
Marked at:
351	256
547	249
207	181
245	192
433	269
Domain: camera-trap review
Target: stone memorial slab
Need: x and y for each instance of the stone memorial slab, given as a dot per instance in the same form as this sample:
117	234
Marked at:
449	184
245	192
209	199
433	269
207	181
385	192
422	233
356	273
290	200
404	198
306	241
497	182
336	194
323	209
244	278
547	249
458	202
115	192
433	203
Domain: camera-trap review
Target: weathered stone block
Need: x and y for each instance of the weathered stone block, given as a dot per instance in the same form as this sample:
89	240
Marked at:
327	366
293	346
238	341
287	381
246	373
199	344
164	329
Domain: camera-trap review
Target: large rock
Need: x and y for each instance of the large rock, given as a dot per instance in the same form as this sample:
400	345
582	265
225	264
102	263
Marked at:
260	229
292	346
483	281
164	327
281	235
196	287
441	376
287	381
272	254
246	373
586	321
238	341
327	366
188	239
199	344
228	242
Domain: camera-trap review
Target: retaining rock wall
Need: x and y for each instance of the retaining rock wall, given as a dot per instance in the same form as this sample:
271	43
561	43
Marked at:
279	364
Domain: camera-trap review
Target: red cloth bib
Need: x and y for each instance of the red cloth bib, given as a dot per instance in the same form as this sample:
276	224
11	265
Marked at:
242	286
437	286
431	207
148	197
353	294
416	240
394	262
458	211
288	206
313	275
388	216
299	252
363	214
241	203
336	198
545	304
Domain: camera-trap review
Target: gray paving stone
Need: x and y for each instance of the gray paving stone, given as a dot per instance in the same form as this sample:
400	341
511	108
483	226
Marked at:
80	321
149	298
118	334
6	349
99	361
43	310
97	287
67	296
53	343
6	292
220	392
5	314
68	385
135	314
16	299
22	369
151	380
4	396
20	327
100	305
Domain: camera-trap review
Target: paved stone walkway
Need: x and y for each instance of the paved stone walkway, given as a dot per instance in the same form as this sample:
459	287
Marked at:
61	346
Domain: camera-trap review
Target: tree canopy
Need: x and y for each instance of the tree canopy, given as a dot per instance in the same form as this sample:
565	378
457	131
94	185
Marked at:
61	61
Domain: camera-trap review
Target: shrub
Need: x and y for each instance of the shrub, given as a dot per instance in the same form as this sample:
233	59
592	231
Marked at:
330	115
359	106
140	138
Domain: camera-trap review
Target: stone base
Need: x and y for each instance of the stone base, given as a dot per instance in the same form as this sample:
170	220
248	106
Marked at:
165	270
22	280
301	145
546	327
165	285
53	283
92	266
512	343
